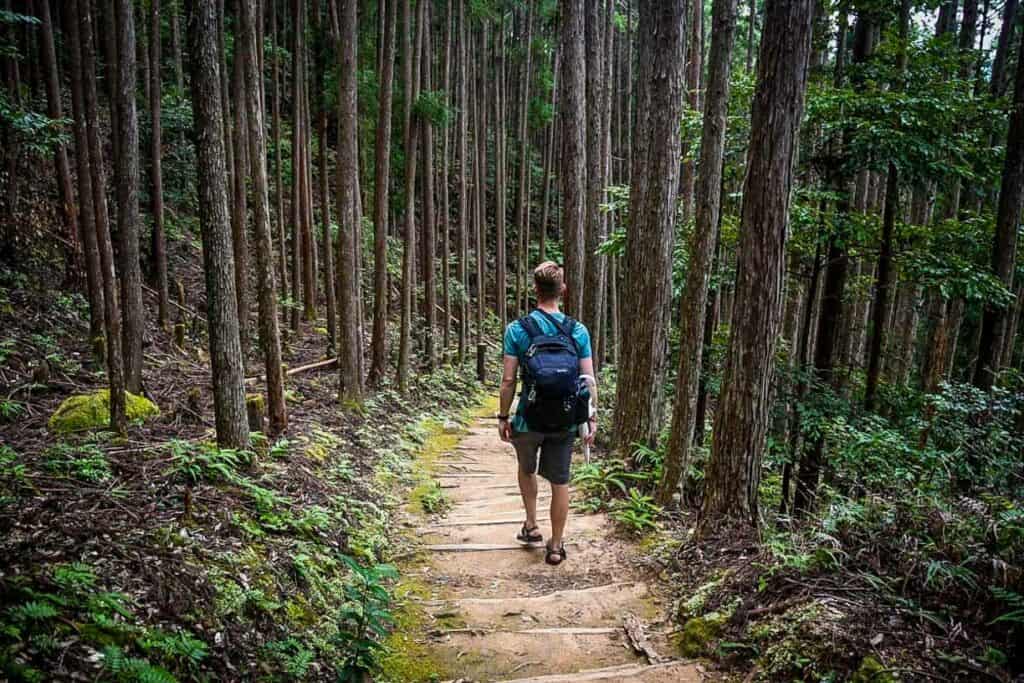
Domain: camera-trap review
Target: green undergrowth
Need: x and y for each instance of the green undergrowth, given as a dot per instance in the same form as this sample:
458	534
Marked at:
288	546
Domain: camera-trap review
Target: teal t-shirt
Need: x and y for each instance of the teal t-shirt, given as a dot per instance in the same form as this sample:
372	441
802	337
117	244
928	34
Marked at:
517	343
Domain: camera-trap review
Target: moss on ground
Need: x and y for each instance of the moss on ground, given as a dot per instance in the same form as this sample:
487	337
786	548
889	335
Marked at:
699	633
86	412
407	659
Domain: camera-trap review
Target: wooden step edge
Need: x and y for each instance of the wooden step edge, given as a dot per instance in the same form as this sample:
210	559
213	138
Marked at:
604	674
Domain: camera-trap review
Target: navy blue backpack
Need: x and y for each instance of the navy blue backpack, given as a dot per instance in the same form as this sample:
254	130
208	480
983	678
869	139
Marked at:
552	393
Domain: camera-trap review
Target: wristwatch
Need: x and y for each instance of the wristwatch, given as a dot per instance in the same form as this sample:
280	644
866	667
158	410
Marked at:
502	418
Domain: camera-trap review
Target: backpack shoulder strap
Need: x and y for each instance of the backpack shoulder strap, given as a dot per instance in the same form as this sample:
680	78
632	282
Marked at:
530	327
566	327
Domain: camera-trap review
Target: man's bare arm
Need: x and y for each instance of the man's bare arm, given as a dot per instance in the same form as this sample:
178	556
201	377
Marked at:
508	384
587	368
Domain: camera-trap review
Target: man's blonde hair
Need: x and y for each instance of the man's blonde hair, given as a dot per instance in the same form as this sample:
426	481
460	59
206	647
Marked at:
548	278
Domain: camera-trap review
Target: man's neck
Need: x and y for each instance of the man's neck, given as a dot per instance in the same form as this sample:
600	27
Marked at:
548	306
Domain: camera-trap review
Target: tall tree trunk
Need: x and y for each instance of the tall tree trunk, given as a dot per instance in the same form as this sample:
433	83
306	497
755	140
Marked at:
87	213
221	308
462	79
997	84
694	90
446	213
127	174
158	239
48	54
651	234
240	210
282	241
741	423
350	346
429	247
1004	244
549	161
411	136
298	11
98	182
500	187
327	241
884	273
523	185
480	185
595	227
179	70
382	176
572	115
266	288
703	240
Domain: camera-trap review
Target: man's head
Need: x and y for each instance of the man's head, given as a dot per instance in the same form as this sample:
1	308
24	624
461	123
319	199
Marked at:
548	281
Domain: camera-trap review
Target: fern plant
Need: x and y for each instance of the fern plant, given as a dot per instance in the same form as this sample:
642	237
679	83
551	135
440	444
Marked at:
637	511
365	617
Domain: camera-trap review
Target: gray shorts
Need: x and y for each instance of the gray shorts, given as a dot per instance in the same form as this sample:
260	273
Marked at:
555	454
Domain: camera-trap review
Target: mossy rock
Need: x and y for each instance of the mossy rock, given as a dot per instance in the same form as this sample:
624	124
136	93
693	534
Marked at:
85	412
871	671
698	633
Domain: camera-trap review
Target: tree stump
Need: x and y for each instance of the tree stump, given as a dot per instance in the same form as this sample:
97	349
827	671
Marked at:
179	335
256	409
481	362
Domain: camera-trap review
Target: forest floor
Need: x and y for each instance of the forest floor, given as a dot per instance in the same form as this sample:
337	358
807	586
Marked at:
492	610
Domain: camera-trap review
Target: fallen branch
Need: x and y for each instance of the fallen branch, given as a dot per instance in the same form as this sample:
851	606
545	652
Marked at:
638	639
319	365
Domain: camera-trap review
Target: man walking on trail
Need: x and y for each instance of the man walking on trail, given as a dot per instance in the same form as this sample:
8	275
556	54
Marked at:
554	353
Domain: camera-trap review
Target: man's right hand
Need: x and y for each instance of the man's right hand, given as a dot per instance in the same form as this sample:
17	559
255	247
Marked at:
505	430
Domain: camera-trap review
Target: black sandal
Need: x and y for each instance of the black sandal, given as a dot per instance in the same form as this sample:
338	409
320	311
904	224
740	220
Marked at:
551	554
531	535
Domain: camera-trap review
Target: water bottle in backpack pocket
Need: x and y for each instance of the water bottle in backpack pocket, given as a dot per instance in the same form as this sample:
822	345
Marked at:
552	391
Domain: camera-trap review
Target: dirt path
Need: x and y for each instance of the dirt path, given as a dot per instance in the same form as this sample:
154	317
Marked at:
500	613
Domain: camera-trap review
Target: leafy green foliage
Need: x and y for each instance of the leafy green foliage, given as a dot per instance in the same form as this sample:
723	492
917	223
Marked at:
636	511
206	462
365	617
85	461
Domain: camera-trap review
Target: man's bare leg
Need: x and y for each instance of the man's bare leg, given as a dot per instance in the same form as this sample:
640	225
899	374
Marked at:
528	490
559	512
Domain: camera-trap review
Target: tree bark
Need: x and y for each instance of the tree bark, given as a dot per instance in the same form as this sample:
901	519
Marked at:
349	344
523	185
446	213
463	181
87	214
179	70
240	210
266	288
221	310
741	423
98	182
1004	245
327	241
594	231
382	176
702	244
429	218
411	136
282	241
651	234
572	115
500	185
158	239
127	174
884	272
48	54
